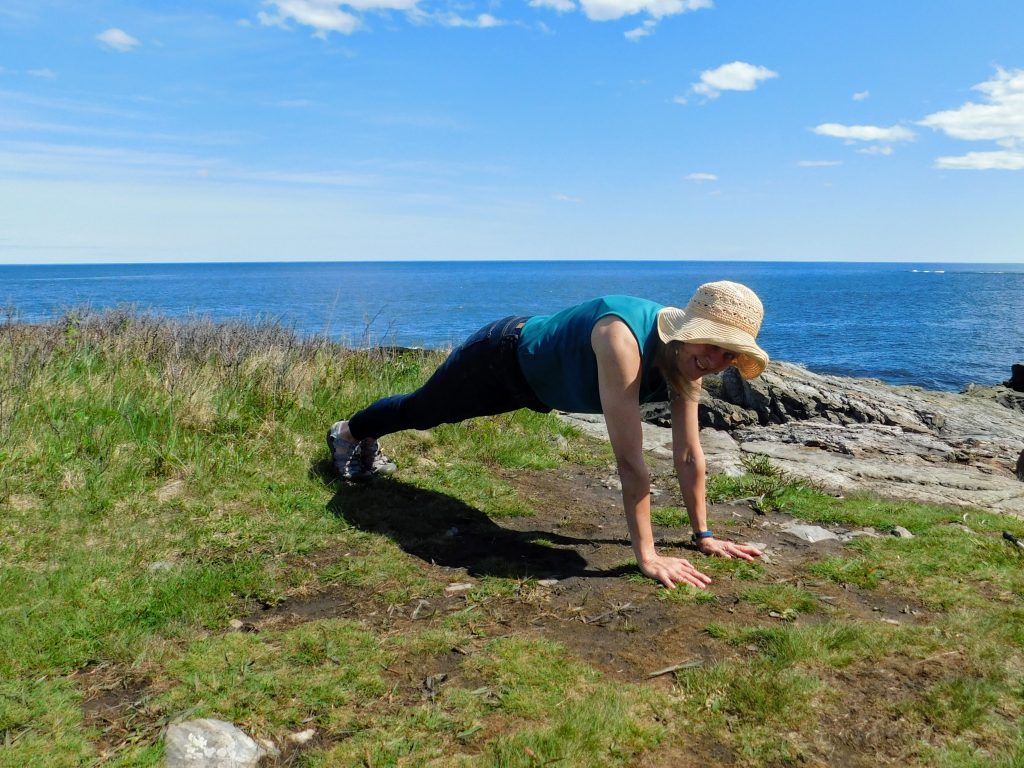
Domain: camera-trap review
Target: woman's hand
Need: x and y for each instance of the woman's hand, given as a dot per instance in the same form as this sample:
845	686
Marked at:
673	570
727	549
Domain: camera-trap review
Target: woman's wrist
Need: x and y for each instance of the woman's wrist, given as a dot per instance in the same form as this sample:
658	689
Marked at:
700	535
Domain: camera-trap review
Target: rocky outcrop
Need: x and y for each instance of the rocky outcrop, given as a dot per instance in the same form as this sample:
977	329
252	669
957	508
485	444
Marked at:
848	435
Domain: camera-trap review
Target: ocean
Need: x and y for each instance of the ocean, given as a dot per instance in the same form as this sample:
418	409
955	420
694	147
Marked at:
939	326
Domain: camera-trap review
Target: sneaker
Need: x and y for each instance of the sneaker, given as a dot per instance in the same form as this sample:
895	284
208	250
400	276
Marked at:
373	461
345	455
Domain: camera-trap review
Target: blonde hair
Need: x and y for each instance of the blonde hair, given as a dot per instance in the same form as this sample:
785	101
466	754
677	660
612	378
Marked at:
678	385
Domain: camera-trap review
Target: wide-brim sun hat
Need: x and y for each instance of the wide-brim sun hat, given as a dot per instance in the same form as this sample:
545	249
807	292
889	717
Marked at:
725	314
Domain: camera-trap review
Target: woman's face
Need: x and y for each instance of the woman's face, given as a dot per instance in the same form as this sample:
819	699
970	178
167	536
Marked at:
697	360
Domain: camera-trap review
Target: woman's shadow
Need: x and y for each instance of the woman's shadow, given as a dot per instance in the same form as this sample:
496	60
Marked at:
440	529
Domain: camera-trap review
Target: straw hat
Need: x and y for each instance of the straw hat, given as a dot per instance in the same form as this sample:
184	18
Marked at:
726	314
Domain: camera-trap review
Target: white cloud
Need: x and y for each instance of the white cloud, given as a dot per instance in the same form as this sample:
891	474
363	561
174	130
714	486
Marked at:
561	6
643	30
860	95
876	149
324	16
701	177
1004	160
736	76
566	198
818	163
117	40
483	21
679	100
999	119
45	73
864	132
607	10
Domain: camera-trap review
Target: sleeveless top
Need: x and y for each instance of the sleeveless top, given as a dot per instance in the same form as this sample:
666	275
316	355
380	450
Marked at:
559	363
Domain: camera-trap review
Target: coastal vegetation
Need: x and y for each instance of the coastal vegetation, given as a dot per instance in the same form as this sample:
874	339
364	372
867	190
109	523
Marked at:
174	545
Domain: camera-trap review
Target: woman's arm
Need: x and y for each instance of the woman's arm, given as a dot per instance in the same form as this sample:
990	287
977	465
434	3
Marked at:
618	372
688	457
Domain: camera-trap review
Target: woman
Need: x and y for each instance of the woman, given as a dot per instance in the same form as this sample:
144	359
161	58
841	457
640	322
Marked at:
607	356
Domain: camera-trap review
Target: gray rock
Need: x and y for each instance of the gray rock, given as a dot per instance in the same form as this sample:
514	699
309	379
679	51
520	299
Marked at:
209	744
1020	466
848	435
859	533
900	532
809	533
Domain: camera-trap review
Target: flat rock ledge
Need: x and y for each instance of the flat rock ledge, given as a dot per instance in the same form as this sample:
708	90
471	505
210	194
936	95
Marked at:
848	435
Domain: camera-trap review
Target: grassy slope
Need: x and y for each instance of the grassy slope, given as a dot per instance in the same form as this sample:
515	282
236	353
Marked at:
157	480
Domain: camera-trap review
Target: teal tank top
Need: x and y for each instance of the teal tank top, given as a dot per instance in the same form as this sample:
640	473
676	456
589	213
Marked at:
558	360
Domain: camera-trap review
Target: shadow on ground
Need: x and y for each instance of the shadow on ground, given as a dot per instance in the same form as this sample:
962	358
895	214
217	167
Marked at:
442	530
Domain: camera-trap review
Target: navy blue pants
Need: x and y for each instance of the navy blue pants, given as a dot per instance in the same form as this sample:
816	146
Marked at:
481	377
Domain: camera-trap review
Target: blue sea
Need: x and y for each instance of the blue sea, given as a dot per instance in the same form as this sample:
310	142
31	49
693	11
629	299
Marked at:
940	326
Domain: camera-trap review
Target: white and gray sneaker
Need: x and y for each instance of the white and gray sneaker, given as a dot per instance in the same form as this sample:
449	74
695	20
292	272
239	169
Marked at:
345	455
374	462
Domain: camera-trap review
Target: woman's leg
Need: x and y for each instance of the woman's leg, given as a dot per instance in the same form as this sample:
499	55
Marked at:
481	377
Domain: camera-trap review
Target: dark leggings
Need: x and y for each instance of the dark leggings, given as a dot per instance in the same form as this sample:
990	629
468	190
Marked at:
481	377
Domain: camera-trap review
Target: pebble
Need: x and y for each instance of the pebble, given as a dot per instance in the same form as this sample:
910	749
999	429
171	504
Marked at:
454	589
547	582
302	737
160	565
902	532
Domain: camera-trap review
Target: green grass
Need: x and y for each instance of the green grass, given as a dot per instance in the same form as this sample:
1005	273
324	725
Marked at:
158	480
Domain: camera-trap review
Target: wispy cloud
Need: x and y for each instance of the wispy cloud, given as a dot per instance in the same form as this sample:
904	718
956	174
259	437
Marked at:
1002	160
700	178
735	76
326	16
559	6
482	21
999	119
879	139
562	198
633	35
860	95
818	163
608	10
117	40
45	73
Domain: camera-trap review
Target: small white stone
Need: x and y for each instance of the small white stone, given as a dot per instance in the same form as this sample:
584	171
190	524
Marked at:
547	582
902	532
302	737
236	623
454	589
209	743
160	565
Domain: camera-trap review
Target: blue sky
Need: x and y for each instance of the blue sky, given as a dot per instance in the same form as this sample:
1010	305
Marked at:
446	129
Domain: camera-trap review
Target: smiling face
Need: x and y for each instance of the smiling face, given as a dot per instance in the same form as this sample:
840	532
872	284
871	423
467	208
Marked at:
696	360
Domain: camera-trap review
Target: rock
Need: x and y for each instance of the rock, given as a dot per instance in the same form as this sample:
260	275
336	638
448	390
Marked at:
302	737
236	624
160	565
547	582
846	435
809	533
1020	466
209	744
1016	380
900	532
454	589
871	532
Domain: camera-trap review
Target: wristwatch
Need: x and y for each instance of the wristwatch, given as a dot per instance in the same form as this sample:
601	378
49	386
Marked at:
702	535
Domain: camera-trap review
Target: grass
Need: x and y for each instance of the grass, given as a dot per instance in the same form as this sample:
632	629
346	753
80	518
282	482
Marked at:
159	480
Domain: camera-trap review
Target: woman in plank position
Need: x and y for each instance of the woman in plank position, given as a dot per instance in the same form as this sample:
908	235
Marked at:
607	355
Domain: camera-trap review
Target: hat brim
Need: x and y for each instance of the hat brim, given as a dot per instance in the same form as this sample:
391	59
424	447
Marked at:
675	325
